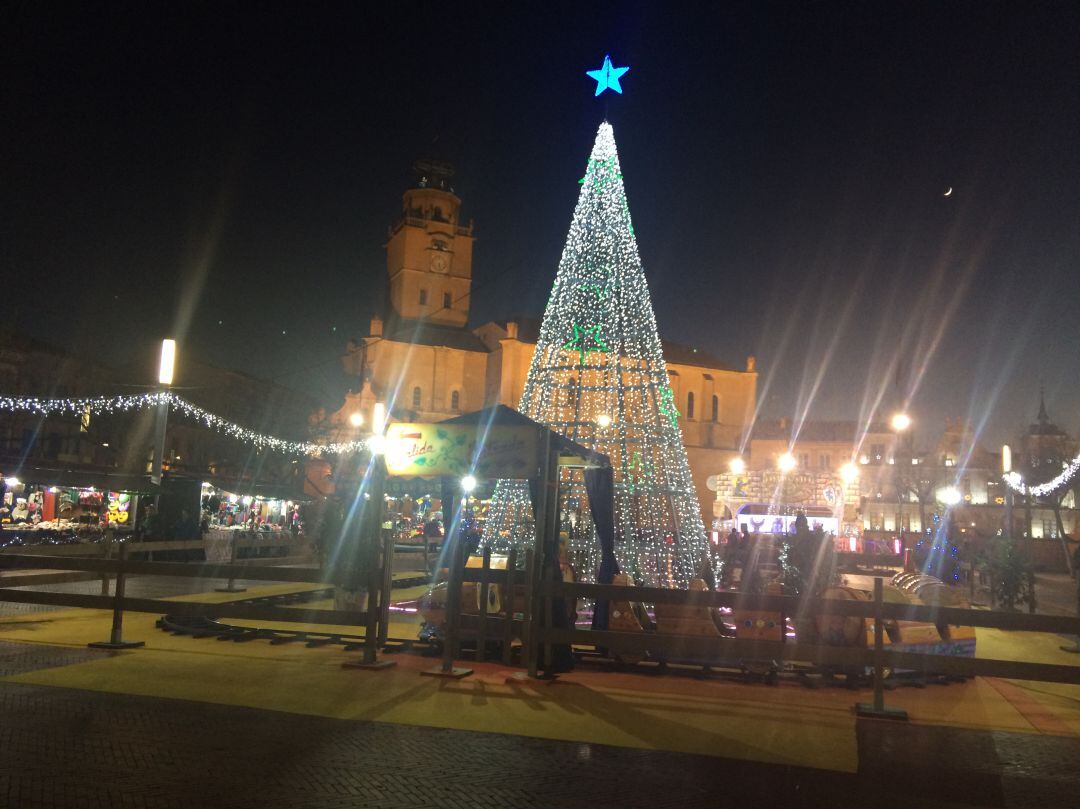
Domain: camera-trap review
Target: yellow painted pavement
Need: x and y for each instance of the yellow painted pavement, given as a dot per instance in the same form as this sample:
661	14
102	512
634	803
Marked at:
784	724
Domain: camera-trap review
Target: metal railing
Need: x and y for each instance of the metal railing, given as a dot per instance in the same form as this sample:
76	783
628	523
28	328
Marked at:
373	619
877	657
535	629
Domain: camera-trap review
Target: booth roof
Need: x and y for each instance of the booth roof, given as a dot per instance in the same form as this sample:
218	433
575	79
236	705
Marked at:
101	480
271	491
503	416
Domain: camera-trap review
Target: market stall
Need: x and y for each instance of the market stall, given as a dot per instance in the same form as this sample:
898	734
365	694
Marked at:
53	507
238	525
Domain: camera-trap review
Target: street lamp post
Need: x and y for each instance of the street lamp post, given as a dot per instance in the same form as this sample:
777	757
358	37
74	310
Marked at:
1006	467
900	423
166	366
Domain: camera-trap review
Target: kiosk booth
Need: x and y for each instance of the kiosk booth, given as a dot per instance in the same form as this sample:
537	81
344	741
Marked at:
493	444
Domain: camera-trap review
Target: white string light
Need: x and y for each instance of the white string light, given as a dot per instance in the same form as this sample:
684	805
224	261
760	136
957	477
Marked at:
1016	483
105	405
598	377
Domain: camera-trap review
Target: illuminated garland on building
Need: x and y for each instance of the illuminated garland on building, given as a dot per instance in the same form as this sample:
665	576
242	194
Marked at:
598	377
107	405
1016	483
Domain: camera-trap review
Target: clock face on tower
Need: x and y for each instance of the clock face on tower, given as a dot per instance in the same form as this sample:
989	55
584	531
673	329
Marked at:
438	262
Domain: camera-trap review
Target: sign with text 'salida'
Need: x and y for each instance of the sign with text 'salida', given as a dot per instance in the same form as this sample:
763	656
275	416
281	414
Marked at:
434	450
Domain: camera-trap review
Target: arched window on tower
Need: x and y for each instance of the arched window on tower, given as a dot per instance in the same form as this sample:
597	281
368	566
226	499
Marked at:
417	395
716	408
455	400
690	405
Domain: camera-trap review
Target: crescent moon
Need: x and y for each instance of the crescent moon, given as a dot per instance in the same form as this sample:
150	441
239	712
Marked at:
948	193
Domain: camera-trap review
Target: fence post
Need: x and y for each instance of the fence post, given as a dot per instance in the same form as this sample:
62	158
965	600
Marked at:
373	634
231	586
1075	648
531	590
453	613
387	586
485	589
116	636
508	607
878	709
109	538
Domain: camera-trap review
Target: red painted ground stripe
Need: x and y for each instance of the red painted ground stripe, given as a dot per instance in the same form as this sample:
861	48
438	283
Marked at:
1040	716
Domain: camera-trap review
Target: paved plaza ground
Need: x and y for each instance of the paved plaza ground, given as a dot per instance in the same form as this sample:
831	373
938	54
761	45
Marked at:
200	722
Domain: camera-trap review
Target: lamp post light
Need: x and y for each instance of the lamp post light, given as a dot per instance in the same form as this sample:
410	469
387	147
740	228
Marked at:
737	466
166	368
948	495
378	418
786	462
900	422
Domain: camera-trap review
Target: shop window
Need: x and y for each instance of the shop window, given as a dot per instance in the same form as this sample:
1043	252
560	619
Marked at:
804	460
417	395
690	405
825	461
716	408
447	301
455	400
423	297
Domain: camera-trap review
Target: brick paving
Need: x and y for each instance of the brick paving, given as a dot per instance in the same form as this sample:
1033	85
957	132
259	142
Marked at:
70	748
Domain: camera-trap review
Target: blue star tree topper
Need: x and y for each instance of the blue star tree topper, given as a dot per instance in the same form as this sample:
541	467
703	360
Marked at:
607	77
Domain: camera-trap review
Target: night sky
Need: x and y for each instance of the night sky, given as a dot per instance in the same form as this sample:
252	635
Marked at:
226	173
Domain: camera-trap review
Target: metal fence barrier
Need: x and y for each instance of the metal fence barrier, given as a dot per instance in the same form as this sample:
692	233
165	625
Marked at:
121	567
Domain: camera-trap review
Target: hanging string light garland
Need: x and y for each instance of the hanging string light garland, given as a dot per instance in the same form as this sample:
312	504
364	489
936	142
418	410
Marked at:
106	405
1016	483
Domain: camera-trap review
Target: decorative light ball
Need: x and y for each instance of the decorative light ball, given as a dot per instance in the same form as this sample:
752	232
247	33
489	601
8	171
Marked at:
603	421
737	466
900	422
356	419
786	462
849	472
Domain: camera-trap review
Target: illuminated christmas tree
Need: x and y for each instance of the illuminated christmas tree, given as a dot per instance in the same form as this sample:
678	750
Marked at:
598	377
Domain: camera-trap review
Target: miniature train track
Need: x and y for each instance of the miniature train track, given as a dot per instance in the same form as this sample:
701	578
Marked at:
768	672
746	671
200	627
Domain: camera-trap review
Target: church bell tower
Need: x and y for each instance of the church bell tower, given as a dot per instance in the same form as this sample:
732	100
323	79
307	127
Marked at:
429	252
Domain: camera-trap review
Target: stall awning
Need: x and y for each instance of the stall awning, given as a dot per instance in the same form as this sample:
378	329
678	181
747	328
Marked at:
503	416
101	480
269	491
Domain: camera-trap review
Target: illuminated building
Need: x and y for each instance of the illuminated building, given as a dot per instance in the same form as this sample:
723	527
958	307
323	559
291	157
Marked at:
427	364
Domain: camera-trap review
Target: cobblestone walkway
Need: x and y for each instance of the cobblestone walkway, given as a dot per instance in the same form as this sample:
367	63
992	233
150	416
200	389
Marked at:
71	748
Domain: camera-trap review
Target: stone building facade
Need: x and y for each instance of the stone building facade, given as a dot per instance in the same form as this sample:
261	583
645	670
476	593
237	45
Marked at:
423	362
